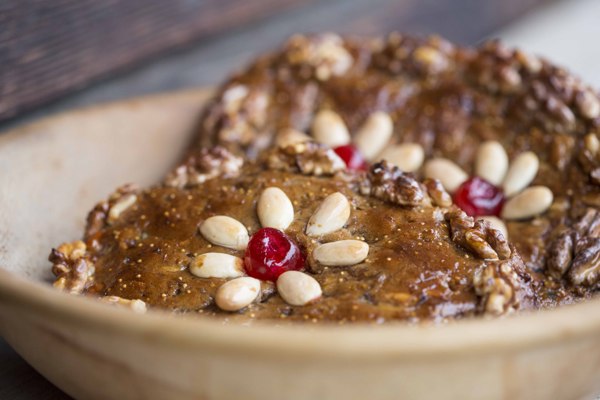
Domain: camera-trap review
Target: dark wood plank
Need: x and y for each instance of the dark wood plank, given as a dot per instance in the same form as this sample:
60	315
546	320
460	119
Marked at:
49	48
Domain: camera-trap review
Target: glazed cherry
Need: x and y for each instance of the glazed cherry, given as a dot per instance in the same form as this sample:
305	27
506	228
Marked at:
352	157
478	197
270	253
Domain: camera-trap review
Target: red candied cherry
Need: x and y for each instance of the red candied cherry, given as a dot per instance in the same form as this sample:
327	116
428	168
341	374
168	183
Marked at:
352	157
478	197
270	253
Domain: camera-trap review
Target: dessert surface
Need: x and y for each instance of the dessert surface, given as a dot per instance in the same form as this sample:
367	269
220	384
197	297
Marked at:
284	209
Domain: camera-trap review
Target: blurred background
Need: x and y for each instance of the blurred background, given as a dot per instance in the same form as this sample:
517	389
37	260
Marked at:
60	54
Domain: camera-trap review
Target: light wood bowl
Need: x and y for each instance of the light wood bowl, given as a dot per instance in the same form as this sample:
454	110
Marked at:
53	171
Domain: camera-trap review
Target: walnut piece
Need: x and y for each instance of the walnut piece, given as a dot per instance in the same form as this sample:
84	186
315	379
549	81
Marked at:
324	54
477	236
575	252
72	268
497	283
387	182
308	158
108	212
438	194
207	164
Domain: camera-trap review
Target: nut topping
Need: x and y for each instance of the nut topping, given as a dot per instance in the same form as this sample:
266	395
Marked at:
217	265
389	183
447	172
576	251
237	293
374	135
298	288
225	231
274	209
407	156
309	158
477	236
72	268
331	215
207	164
521	173
497	284
341	253
497	224
137	306
120	206
291	136
329	128
491	162
530	202
438	194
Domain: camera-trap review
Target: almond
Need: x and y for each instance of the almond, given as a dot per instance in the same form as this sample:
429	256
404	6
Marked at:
274	209
298	288
491	162
225	231
407	156
217	265
529	203
447	172
374	134
237	293
521	173
342	252
331	215
329	128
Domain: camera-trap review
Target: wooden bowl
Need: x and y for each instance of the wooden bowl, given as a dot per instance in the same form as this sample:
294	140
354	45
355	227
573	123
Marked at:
51	174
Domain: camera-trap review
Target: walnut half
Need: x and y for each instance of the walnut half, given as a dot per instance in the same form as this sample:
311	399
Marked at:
477	236
308	158
389	183
73	269
497	284
575	252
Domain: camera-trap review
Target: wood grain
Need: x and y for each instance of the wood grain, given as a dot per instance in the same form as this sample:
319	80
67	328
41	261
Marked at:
49	48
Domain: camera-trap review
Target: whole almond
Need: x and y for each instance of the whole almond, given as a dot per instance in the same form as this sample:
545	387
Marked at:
374	134
329	128
290	136
529	203
592	144
217	265
136	305
342	252
491	162
225	231
122	204
331	215
446	171
237	293
274	209
407	156
298	288
521	173
497	224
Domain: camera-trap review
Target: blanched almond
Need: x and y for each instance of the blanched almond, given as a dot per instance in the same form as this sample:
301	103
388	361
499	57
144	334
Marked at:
592	144
225	231
496	223
521	173
237	293
375	134
529	203
450	174
217	265
274	209
298	288
491	162
342	252
331	215
136	305
122	204
289	136
329	128
407	156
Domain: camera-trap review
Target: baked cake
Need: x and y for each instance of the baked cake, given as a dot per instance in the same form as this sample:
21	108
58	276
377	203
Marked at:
364	180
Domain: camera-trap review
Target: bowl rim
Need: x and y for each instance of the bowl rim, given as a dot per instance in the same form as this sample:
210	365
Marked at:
522	331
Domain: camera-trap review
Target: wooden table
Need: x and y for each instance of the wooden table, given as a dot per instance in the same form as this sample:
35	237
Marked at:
209	61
